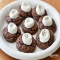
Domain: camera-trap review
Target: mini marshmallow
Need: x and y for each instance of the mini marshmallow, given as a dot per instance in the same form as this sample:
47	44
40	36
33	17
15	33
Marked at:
13	14
29	22
40	10
25	7
44	36
12	28
47	21
27	38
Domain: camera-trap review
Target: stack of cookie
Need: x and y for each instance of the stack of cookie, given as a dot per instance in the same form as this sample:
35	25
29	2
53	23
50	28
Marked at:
33	21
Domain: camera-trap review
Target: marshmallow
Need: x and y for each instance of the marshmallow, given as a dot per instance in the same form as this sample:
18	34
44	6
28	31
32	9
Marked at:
40	10
29	22
47	21
13	14
25	7
12	28
27	38
44	36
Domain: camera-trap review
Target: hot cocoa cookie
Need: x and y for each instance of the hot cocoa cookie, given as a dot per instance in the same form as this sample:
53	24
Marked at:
44	38
25	10
47	22
26	43
9	35
14	17
38	12
29	26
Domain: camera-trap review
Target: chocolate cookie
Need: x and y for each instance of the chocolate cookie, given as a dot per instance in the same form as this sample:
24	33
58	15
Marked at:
35	15
23	47
10	37
52	27
24	14
46	44
32	30
17	21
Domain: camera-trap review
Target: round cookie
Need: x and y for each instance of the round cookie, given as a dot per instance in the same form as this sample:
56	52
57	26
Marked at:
10	37
17	19
25	48
24	11
35	15
45	44
52	27
31	30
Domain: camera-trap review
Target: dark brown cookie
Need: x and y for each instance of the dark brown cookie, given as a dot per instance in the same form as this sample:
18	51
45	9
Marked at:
35	15
10	37
23	47
17	21
52	27
24	14
32	30
47	44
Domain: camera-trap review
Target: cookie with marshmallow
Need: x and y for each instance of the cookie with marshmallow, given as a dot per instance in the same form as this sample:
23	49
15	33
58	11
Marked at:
11	32
29	26
47	22
14	17
26	43
25	9
38	12
44	38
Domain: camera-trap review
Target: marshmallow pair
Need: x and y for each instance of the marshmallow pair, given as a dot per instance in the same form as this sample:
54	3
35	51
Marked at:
45	34
26	37
44	37
26	8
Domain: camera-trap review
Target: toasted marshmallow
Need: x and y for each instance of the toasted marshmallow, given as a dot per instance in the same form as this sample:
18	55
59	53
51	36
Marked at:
12	28
13	14
40	10
47	21
29	22
44	36
25	7
27	38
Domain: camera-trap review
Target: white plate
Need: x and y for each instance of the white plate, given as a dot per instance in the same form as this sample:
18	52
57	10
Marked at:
10	48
